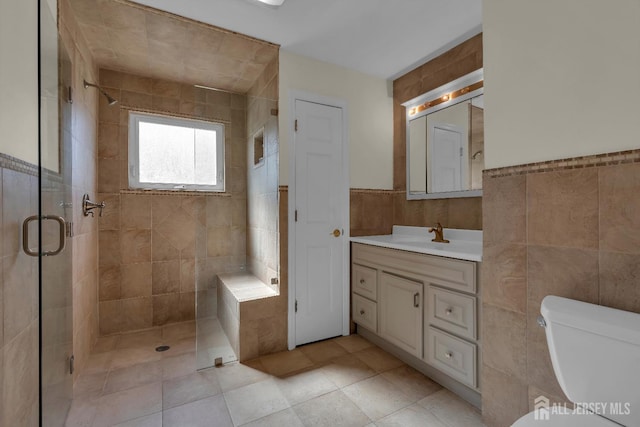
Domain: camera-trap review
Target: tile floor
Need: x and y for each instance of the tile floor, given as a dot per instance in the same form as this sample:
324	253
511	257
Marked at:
345	381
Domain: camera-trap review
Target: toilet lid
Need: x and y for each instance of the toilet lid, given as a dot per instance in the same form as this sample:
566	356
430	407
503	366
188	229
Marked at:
565	420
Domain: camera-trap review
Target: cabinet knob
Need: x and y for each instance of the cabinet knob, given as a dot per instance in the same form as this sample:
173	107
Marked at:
361	312
448	311
448	355
362	281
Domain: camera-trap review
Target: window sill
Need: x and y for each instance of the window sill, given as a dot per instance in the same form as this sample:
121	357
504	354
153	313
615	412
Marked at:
175	192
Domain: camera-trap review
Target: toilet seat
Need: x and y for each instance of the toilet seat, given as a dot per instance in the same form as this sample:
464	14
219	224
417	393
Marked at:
565	420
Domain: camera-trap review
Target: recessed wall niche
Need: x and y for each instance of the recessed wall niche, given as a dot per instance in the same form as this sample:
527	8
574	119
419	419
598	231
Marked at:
258	148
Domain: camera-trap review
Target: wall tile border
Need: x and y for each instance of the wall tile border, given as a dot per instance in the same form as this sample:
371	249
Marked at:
13	163
596	160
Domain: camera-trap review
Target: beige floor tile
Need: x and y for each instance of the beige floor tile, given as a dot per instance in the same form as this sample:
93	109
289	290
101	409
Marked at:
189	388
353	343
178	331
323	351
98	363
411	382
300	387
154	420
81	413
255	401
236	375
209	412
378	359
129	404
178	366
286	362
332	409
147	339
104	344
286	418
452	410
377	397
346	370
133	376
411	416
125	357
186	345
89	386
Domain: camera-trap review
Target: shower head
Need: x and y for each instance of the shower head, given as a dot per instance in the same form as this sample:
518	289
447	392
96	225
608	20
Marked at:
110	99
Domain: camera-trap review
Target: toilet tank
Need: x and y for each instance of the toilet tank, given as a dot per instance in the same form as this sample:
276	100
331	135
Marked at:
595	352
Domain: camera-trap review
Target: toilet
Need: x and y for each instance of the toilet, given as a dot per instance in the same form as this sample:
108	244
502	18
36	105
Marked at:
595	352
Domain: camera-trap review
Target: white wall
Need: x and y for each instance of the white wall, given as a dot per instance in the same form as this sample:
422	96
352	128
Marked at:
562	79
370	115
19	79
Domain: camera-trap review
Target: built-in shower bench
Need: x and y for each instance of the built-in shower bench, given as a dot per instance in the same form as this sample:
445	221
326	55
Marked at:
247	308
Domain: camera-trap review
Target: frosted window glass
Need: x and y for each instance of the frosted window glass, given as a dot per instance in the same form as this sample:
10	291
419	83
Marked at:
176	156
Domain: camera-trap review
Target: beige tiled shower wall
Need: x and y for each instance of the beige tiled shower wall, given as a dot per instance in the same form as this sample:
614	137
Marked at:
83	137
151	242
262	182
263	327
572	233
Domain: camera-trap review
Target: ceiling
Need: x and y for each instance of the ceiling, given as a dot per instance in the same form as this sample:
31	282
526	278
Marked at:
383	38
137	39
227	44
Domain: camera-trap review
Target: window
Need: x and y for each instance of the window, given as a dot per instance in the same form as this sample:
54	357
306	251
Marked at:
169	153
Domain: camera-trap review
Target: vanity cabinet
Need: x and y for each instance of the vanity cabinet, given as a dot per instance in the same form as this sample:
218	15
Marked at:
424	305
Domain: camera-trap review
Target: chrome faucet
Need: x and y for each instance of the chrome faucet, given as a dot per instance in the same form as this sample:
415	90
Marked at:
88	206
439	234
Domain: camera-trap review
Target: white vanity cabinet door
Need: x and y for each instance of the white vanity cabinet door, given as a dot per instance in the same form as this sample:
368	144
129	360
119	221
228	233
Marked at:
400	312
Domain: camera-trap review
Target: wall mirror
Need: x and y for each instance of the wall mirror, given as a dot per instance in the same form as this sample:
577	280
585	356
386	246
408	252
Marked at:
445	140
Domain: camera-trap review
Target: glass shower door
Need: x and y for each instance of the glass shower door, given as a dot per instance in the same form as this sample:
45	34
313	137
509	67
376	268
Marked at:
55	248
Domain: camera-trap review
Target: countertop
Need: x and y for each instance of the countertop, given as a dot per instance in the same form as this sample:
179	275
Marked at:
464	244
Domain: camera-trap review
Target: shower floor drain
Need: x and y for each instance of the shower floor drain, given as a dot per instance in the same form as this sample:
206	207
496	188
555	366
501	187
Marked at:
162	348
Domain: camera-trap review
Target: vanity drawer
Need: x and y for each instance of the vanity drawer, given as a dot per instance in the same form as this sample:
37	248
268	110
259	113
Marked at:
364	281
452	312
452	355
364	312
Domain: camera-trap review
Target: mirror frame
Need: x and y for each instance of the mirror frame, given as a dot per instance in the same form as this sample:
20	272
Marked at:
444	90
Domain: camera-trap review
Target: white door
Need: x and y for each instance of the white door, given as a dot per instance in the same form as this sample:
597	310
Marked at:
318	255
446	156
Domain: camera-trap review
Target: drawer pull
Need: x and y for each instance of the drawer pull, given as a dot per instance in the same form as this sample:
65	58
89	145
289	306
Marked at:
416	299
448	311
448	355
361	312
362	281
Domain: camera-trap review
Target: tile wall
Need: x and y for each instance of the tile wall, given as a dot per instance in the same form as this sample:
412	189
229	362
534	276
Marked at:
564	228
264	321
262	181
150	241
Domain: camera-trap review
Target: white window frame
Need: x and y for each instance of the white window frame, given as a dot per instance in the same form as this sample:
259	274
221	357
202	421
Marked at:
134	158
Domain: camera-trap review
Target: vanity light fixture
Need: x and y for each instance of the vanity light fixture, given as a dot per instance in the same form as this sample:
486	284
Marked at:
448	97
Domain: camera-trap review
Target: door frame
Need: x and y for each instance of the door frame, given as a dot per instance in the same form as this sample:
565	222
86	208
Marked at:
297	95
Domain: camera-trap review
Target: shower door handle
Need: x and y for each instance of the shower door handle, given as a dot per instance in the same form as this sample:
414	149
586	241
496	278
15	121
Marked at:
25	235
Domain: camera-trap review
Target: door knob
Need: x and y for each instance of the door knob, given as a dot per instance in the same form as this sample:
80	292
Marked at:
336	233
